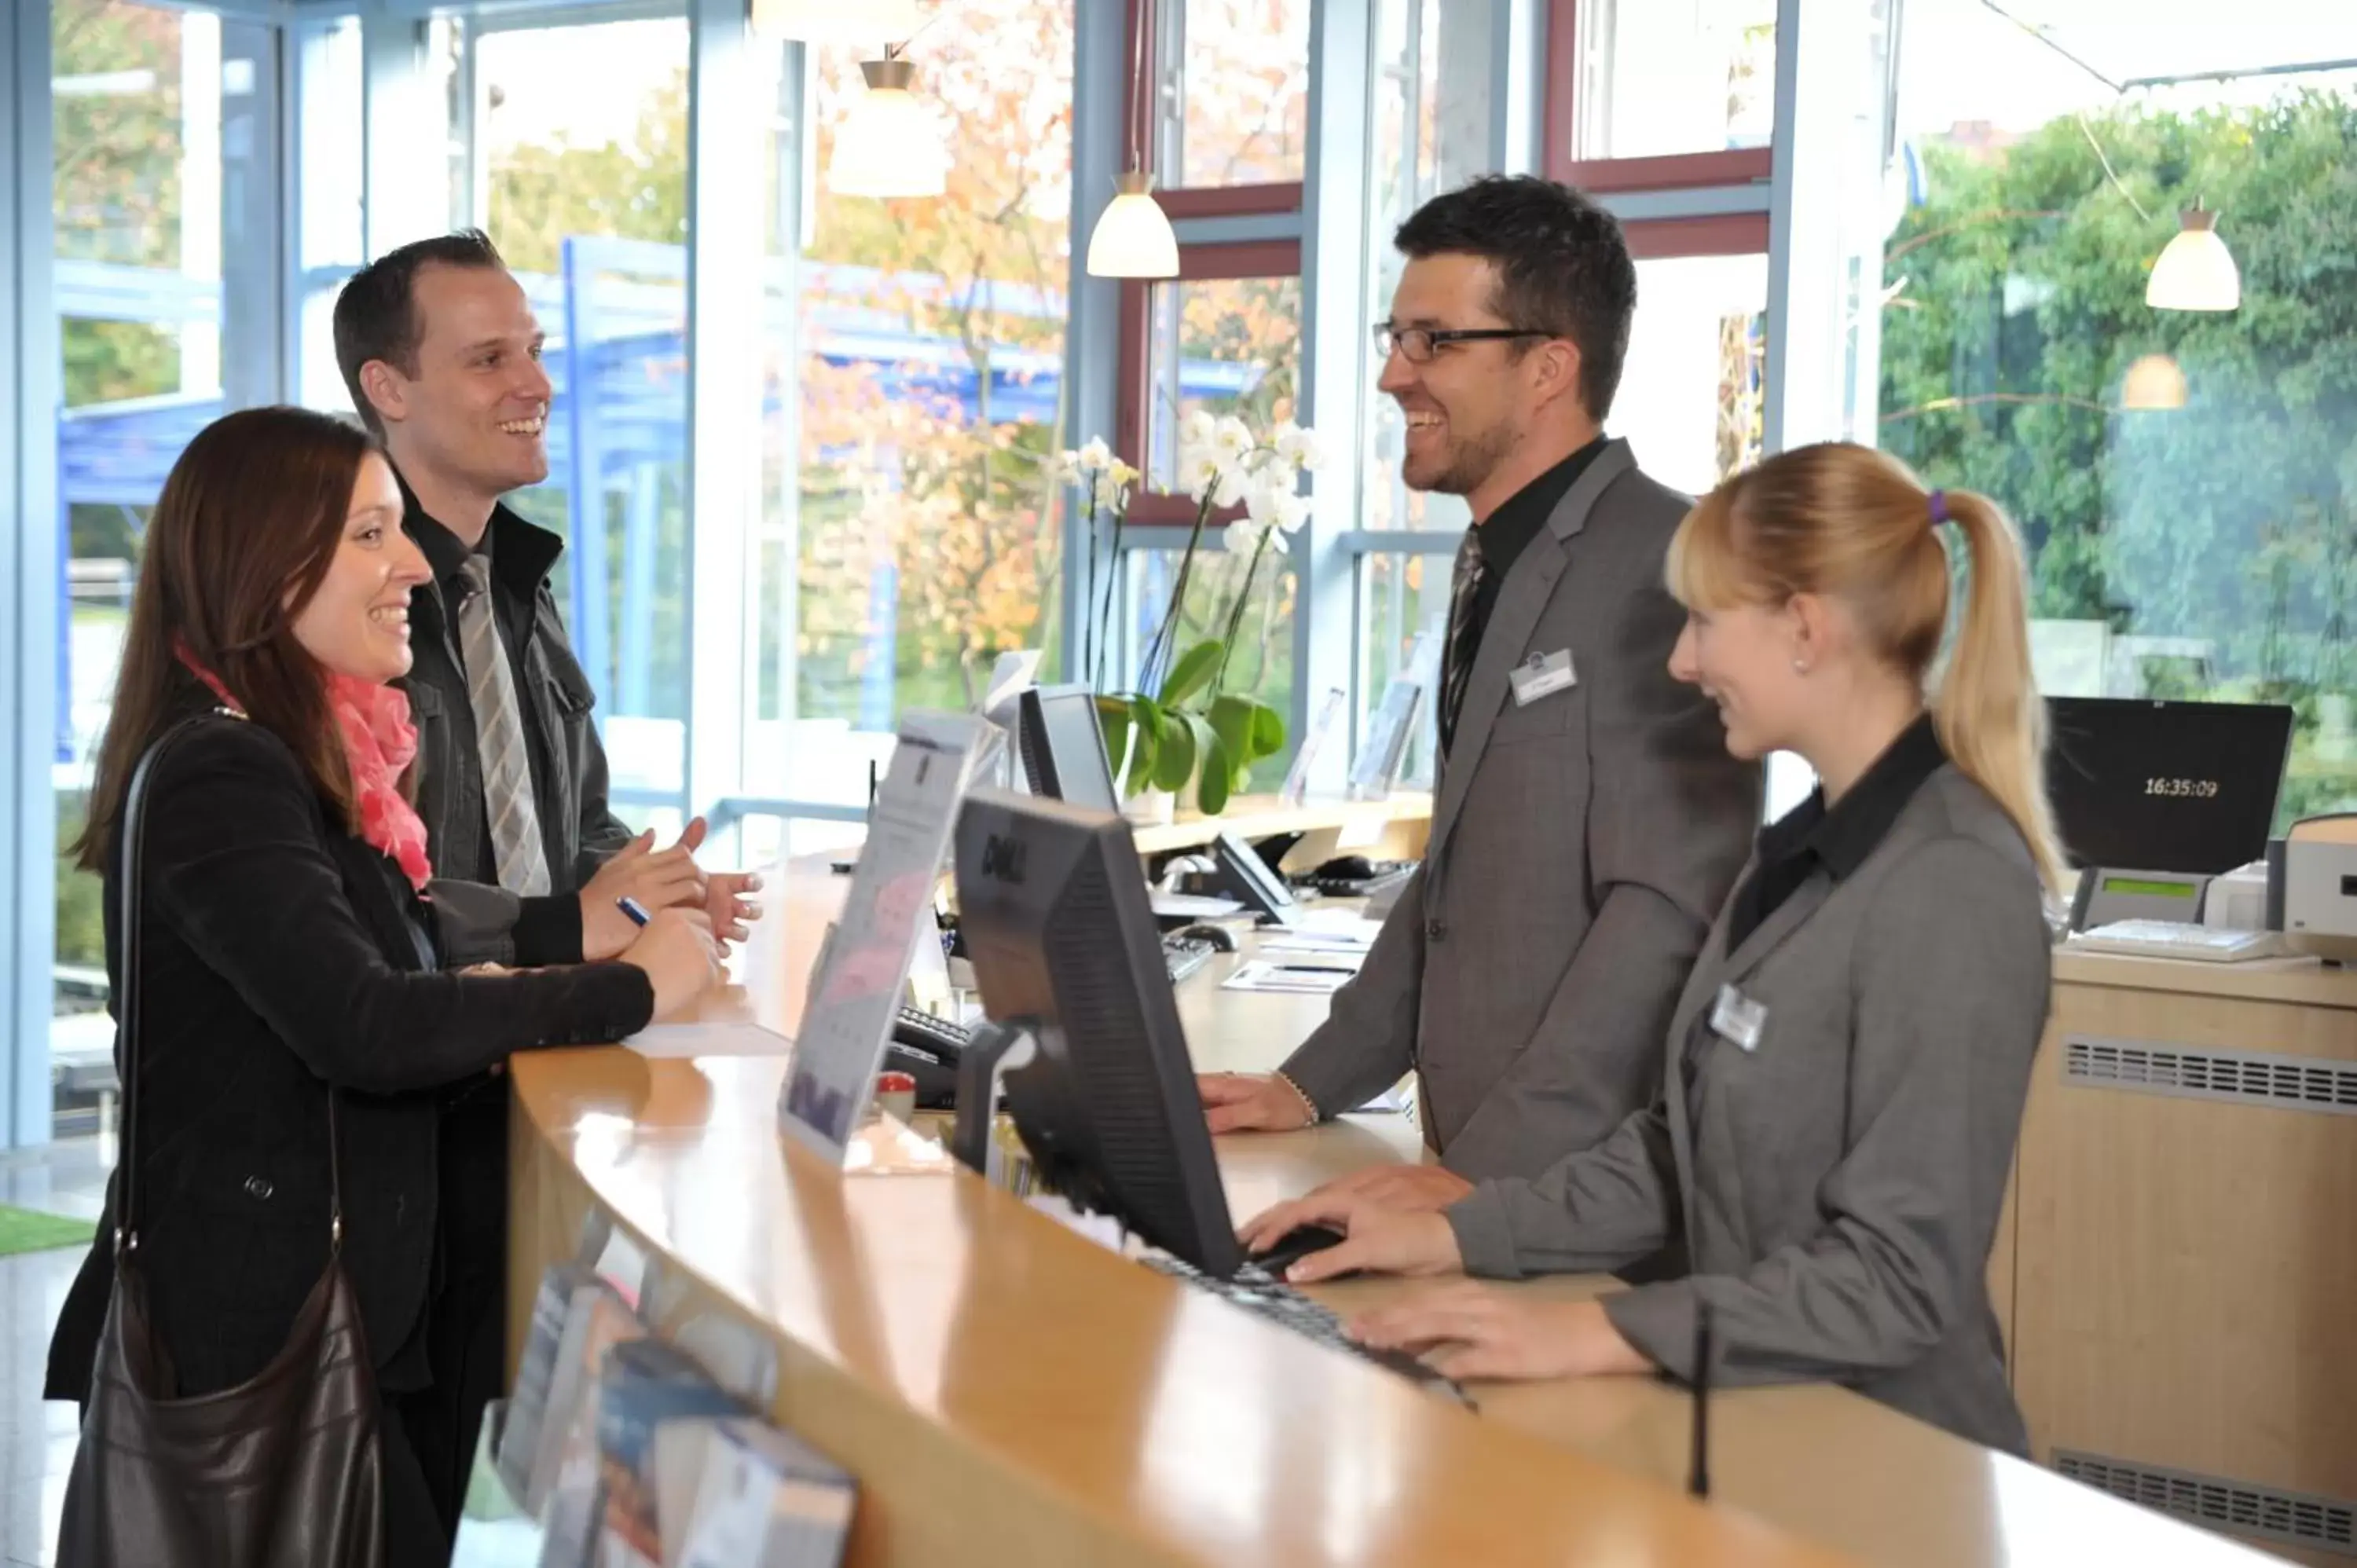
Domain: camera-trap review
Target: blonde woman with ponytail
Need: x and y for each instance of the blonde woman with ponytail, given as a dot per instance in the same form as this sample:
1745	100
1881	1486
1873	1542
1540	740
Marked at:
1844	1076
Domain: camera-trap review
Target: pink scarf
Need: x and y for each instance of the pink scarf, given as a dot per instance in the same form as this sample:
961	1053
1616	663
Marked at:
379	743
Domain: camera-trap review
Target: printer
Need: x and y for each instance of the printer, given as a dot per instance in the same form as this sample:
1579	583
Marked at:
2312	886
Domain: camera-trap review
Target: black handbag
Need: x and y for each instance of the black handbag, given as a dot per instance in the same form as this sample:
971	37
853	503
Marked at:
283	1471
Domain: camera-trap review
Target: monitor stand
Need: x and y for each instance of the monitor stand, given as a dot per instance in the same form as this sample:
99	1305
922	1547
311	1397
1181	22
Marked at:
994	1051
2106	894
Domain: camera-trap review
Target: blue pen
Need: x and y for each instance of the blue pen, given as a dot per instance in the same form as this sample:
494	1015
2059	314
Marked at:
634	910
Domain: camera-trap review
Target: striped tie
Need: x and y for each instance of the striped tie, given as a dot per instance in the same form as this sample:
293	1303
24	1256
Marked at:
1456	662
499	737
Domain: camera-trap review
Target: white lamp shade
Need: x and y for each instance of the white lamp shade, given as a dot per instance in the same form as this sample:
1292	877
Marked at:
2153	384
821	22
1132	237
889	144
2195	272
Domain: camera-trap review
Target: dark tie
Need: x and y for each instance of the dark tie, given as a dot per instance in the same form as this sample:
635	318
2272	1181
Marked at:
516	847
1464	637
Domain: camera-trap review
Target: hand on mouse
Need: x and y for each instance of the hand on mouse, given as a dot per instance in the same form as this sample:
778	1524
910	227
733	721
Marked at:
1375	1239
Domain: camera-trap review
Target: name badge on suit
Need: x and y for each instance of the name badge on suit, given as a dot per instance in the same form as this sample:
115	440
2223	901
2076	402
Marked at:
1738	1019
1542	675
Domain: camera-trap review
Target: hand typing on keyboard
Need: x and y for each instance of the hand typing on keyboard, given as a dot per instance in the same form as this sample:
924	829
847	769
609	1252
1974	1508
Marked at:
1468	1330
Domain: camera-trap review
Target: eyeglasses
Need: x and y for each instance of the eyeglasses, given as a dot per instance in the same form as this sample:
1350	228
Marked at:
1418	345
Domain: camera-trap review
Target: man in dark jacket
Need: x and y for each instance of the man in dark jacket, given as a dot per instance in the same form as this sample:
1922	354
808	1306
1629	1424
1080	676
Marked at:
441	353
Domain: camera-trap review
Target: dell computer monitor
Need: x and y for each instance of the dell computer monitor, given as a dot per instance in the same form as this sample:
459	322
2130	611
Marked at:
2184	788
1063	750
1054	917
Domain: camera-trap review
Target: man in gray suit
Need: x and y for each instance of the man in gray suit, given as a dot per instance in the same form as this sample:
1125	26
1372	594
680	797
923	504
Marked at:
1589	820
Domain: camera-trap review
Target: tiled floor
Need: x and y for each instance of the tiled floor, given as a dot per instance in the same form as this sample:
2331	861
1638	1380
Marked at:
36	1440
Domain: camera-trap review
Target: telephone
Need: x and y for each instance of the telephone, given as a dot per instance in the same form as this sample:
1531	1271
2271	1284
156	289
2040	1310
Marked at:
927	1048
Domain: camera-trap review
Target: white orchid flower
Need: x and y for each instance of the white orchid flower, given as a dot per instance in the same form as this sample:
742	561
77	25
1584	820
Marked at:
1241	537
1260	500
1289	511
1197	427
1299	445
1095	457
1233	486
1233	439
1197	471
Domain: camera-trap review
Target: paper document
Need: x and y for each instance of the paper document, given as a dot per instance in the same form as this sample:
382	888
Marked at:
671	1042
1314	977
1335	928
889	909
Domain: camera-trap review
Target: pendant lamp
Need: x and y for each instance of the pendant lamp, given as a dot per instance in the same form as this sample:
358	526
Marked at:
890	144
2196	272
1133	238
2153	384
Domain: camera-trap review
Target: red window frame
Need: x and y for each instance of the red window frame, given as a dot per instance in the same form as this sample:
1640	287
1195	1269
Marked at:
1134	399
1677	171
1196	262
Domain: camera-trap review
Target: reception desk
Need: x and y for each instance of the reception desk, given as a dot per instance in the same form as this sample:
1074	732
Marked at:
1009	1390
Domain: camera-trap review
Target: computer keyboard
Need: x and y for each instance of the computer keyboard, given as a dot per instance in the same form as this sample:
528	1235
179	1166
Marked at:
1264	1296
2171	938
1185	955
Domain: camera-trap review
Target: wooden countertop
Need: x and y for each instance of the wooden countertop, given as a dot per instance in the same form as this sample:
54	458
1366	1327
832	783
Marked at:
996	1378
2300	981
1262	816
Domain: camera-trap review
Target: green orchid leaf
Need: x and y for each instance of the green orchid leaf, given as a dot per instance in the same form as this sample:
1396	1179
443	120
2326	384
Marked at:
1268	731
1232	720
1174	757
1219	771
1190	674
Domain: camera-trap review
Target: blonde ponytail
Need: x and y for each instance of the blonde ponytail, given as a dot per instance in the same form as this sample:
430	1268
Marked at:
1837	518
1991	719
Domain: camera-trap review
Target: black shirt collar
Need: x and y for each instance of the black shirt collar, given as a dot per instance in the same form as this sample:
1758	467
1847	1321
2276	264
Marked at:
521	554
1843	835
1510	529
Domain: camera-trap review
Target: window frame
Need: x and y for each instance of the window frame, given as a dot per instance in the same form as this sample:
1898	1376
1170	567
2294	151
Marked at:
1559	123
1224	233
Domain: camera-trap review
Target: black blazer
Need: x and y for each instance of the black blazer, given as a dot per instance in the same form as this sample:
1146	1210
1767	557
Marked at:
283	955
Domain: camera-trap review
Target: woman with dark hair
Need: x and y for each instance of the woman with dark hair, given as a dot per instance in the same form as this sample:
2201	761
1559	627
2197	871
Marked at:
286	949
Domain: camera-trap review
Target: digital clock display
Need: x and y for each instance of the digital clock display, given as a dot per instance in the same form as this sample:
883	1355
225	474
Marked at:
2183	789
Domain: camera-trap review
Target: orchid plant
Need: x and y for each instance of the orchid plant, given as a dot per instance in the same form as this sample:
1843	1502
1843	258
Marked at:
1178	722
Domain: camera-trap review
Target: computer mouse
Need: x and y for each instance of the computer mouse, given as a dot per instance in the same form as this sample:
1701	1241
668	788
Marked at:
1297	1244
1349	868
1221	939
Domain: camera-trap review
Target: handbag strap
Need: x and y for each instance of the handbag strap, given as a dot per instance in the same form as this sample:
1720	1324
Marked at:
127	1007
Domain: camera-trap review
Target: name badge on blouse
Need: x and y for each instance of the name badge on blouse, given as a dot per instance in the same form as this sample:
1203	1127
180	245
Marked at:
1737	1019
1542	675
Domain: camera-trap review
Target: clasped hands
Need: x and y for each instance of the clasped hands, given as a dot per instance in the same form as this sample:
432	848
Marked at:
662	879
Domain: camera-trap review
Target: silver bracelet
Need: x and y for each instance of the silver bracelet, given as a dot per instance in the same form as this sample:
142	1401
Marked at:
1316	1115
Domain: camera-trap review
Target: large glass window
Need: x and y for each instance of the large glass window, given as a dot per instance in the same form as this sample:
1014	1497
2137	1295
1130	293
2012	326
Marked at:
910	524
327	238
1244	92
165	237
1229	346
585	192
1691	394
2182	478
1403	598
1655	77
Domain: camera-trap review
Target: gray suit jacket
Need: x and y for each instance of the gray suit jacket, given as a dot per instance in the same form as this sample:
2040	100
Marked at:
1837	1185
1578	846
